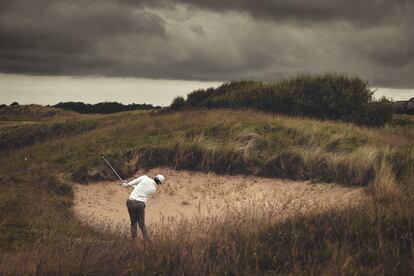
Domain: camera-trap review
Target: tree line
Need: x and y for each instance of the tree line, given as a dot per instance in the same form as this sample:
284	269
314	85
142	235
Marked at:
103	108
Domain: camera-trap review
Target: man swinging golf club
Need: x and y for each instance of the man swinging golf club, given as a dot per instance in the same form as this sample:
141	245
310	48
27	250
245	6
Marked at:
144	187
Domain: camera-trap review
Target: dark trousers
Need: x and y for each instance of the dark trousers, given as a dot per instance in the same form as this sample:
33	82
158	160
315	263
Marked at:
136	210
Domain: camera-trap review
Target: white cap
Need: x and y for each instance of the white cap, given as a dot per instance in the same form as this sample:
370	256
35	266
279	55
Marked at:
160	177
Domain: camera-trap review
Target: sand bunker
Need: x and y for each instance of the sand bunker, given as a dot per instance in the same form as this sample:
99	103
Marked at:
187	194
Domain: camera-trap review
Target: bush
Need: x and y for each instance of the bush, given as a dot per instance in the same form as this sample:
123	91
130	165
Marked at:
178	103
325	96
376	113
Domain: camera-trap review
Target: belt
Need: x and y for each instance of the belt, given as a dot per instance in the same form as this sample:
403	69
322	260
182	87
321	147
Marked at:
134	200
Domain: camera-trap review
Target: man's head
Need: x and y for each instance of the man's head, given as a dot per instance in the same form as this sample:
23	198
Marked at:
159	179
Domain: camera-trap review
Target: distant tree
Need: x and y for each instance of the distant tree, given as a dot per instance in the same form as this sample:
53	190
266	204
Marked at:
14	104
178	103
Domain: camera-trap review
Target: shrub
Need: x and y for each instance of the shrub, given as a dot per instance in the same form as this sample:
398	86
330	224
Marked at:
178	103
376	113
325	96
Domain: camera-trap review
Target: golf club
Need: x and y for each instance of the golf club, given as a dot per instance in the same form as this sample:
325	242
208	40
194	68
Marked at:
103	157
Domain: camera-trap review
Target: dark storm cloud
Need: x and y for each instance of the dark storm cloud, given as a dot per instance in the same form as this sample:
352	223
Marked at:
209	39
362	12
58	37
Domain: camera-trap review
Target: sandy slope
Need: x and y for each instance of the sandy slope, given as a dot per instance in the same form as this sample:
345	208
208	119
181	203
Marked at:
186	194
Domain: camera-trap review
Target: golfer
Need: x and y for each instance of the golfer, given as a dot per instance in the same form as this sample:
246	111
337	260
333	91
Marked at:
144	187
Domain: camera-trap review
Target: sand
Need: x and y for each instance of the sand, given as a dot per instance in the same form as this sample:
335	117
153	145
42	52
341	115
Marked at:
186	195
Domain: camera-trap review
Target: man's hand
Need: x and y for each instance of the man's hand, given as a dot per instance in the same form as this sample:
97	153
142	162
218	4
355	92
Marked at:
124	183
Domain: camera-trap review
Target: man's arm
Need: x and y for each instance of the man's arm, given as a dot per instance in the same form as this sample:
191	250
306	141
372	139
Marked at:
133	182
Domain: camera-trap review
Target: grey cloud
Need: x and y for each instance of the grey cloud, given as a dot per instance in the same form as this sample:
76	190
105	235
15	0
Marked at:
63	35
209	40
360	12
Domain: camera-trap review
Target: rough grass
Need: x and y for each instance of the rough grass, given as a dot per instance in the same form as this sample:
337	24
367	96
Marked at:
369	241
247	143
36	194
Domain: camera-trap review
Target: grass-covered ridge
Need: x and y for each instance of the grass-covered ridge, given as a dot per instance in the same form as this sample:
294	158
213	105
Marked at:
246	142
36	194
326	96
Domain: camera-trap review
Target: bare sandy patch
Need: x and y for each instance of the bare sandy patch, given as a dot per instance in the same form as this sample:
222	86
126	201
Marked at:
187	195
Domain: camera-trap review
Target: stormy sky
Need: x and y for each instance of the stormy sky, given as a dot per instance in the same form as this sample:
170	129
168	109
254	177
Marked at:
200	43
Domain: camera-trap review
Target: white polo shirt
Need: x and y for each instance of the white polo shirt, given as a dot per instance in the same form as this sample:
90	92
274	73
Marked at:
144	187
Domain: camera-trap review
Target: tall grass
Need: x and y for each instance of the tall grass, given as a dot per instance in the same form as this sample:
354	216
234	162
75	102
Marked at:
277	147
351	241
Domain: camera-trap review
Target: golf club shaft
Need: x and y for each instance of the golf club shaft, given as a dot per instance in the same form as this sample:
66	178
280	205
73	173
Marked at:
103	157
